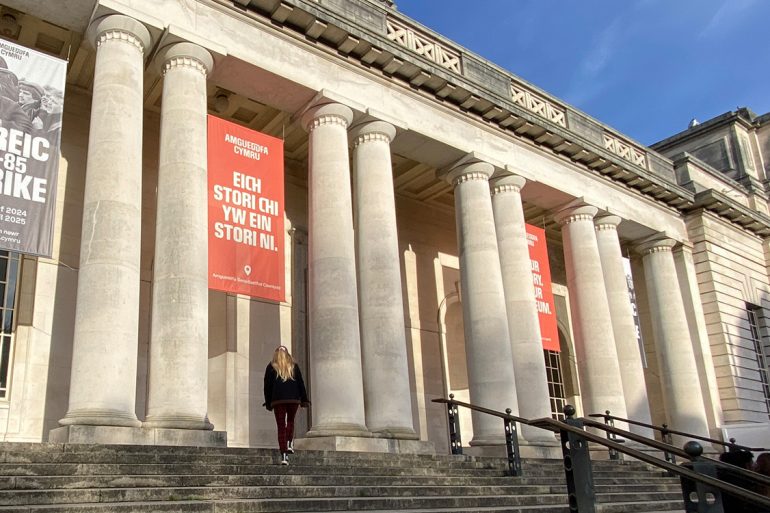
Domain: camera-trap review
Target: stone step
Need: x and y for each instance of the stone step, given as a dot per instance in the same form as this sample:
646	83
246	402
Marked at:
56	478
140	480
142	494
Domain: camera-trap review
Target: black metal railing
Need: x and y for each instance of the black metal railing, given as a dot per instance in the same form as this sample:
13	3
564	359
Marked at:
701	489
666	433
509	428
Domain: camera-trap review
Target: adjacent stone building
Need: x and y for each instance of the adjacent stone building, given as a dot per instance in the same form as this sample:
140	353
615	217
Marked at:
411	168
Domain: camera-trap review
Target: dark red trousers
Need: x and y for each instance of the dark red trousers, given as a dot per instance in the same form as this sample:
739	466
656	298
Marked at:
284	420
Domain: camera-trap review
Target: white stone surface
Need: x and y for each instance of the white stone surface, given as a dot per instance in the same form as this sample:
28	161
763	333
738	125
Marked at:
678	372
488	348
335	343
383	341
523	322
623	326
178	384
597	358
102	389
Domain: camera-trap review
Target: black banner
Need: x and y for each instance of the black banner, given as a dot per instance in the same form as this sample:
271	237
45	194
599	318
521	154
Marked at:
31	101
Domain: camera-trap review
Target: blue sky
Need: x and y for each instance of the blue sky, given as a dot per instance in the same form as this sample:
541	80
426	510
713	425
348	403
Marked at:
643	67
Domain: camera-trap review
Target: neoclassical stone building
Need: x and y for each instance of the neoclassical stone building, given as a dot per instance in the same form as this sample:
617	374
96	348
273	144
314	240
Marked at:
411	168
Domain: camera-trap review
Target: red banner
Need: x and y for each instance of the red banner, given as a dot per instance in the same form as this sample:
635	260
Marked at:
246	235
541	278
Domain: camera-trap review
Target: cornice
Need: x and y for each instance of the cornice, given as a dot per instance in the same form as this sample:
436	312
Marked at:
504	101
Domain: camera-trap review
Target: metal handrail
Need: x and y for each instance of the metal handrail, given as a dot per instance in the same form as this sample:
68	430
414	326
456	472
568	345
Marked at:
509	426
664	429
692	450
754	476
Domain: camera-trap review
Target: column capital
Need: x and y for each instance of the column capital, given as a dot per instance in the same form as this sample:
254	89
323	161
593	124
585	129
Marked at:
508	183
185	54
468	171
655	246
372	131
607	222
577	213
121	28
327	114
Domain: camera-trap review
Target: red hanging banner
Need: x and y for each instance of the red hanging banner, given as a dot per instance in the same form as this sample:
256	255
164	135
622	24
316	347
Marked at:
541	278
246	235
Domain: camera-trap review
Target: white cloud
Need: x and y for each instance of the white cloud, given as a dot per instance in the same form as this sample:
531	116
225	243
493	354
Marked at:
726	16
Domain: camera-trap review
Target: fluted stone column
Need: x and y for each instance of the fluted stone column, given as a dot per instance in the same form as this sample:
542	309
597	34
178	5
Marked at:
601	387
680	383
383	336
491	378
178	384
103	375
335	347
623	327
523	321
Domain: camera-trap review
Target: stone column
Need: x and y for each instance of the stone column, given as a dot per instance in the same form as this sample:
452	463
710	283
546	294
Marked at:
103	382
335	344
178	384
491	379
523	321
383	337
680	383
623	326
601	387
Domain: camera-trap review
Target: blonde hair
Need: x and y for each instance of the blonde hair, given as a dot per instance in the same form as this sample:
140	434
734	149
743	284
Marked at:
283	363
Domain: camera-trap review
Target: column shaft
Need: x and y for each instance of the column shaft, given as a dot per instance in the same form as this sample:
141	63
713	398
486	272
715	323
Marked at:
178	384
682	395
623	326
487	344
523	321
601	387
103	382
383	337
335	348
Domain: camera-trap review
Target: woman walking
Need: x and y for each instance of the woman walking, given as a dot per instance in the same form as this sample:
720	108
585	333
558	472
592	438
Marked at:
284	393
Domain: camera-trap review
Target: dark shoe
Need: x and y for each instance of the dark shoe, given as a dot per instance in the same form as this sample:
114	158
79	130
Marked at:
290	447
284	459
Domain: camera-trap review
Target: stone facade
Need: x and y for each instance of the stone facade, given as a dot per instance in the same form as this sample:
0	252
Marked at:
411	166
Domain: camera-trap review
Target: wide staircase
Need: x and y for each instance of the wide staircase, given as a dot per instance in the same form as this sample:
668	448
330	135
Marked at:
55	478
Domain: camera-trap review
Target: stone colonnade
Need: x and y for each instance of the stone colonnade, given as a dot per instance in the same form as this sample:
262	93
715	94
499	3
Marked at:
358	360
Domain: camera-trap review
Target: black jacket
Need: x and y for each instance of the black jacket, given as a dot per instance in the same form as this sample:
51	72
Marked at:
291	391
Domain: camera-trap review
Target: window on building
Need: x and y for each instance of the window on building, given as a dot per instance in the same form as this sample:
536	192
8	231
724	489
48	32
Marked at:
9	273
755	323
555	383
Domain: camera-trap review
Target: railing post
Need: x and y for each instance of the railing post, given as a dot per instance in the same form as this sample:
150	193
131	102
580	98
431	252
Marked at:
609	421
667	439
512	445
455	440
700	497
577	467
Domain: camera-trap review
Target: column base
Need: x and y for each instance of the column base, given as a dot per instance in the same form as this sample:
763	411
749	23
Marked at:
396	432
100	417
538	450
360	444
177	422
350	430
84	434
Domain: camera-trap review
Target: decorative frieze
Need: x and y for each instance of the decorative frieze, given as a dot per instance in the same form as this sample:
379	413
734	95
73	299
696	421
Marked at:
423	45
184	62
624	150
327	119
371	137
119	35
467	177
540	106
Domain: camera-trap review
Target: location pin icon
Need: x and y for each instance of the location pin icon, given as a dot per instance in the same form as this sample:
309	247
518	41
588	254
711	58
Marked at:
247	269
